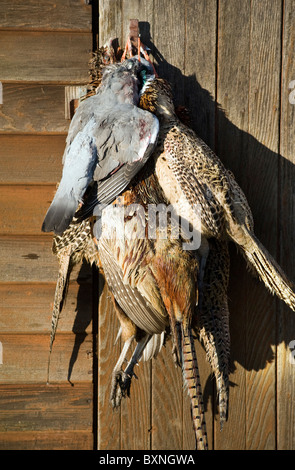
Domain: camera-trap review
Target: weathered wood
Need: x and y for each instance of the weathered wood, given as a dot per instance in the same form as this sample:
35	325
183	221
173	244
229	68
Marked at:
200	67
37	407
136	411
27	308
264	103
25	358
167	402
231	142
31	158
45	57
30	259
24	208
109	421
258	157
199	82
46	440
170	44
134	416
57	15
286	331
33	109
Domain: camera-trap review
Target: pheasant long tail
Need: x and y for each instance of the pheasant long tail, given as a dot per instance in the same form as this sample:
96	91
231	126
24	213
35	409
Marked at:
268	270
59	298
192	380
213	320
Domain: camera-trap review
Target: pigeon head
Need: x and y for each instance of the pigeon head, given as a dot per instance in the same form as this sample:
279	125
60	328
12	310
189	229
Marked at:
125	80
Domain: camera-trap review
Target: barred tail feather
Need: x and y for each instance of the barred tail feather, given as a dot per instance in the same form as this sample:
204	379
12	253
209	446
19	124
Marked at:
213	321
59	299
192	380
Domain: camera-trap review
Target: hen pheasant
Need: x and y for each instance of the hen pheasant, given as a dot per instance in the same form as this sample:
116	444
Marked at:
199	176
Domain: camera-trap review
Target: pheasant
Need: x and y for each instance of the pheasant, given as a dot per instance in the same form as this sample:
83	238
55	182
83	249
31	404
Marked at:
199	176
101	133
154	283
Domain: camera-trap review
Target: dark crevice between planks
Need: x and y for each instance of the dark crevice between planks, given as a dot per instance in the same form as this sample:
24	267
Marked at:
95	274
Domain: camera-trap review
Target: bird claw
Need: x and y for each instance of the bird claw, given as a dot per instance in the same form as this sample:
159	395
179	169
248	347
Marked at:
120	388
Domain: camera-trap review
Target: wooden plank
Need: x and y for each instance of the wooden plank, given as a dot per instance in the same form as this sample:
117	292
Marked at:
39	156
109	421
136	411
33	109
257	154
129	427
49	440
231	146
285	353
169	43
144	12
264	103
27	308
199	83
39	57
110	19
200	67
25	358
40	407
20	214
167	403
31	260
48	15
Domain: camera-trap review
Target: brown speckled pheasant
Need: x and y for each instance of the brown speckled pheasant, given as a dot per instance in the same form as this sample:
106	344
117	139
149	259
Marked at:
199	176
154	282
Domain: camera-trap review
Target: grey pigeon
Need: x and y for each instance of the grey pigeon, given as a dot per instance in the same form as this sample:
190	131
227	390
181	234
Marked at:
109	137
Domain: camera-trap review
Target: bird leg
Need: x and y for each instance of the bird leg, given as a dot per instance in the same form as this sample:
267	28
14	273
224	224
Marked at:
122	380
128	48
142	49
116	391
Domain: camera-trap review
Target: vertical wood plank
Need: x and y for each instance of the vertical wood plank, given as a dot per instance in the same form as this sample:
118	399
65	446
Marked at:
132	422
199	79
232	124
263	197
109	420
167	403
136	411
170	406
286	366
200	66
169	40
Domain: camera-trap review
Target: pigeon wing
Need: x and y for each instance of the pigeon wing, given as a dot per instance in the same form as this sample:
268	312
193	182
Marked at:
123	151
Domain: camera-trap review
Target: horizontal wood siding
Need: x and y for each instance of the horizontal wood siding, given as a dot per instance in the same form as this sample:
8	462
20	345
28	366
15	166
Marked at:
45	47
